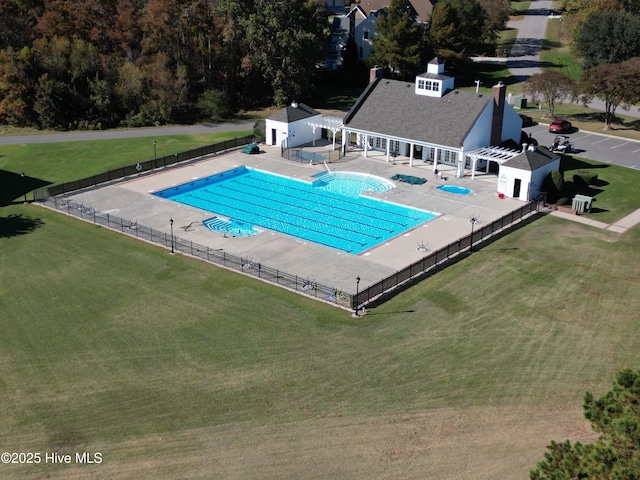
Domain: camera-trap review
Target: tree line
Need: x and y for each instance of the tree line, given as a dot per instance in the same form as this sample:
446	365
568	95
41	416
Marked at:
91	64
102	63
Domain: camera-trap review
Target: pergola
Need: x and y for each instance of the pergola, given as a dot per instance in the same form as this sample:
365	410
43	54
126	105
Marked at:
334	124
490	154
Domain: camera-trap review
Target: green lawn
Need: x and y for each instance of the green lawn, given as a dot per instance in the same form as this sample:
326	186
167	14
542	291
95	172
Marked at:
67	161
112	345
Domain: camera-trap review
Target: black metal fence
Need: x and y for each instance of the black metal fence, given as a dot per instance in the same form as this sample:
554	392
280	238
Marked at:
125	171
304	155
269	274
276	276
434	259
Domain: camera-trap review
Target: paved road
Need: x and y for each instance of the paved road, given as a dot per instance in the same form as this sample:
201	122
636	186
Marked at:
524	58
596	146
129	133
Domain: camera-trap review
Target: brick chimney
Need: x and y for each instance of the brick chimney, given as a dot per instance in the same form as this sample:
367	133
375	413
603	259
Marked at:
499	91
375	73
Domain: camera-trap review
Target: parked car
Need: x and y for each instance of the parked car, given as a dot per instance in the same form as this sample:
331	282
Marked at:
560	125
527	121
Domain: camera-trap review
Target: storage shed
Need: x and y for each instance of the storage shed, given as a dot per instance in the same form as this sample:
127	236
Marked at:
290	127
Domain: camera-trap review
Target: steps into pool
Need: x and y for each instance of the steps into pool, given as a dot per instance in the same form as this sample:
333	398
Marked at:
230	227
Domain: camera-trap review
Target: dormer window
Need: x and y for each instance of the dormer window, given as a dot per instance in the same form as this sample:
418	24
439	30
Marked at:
428	85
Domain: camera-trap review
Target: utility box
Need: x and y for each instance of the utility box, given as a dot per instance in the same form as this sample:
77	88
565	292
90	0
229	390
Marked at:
581	203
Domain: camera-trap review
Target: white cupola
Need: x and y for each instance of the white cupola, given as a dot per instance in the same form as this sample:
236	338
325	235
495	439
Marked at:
433	83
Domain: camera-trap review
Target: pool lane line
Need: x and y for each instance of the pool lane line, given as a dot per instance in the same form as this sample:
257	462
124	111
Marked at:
344	198
282	226
337	227
364	209
311	207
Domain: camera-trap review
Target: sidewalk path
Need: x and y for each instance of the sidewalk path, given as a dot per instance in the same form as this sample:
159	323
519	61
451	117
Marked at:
124	133
619	226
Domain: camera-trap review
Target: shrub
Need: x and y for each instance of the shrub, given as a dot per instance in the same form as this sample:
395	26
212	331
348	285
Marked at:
585	178
259	131
554	186
214	105
563	201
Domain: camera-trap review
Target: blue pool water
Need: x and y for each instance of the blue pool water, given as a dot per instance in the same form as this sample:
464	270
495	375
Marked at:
330	211
454	189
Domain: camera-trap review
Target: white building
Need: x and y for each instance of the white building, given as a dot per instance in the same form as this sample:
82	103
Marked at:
430	121
434	124
290	126
523	175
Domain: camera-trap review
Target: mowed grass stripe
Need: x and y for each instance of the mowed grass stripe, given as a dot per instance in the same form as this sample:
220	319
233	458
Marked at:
106	339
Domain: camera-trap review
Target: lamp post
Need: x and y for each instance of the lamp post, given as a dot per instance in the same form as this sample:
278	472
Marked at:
473	220
355	313
171	223
24	187
154	150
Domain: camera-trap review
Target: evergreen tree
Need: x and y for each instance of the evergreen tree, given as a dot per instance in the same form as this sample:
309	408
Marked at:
459	30
607	37
399	44
615	455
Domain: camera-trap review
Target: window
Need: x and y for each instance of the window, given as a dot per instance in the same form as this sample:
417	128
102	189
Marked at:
421	84
380	143
449	157
365	34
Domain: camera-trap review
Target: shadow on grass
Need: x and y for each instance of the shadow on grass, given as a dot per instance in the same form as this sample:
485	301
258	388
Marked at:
617	123
569	163
15	225
14	186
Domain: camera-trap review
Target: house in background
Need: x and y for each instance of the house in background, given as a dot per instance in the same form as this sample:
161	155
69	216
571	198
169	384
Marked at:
358	25
290	127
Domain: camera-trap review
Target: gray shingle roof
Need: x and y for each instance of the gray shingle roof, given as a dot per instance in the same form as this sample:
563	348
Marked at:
531	160
293	114
391	107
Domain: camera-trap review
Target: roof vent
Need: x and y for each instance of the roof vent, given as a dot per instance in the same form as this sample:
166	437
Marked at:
294	104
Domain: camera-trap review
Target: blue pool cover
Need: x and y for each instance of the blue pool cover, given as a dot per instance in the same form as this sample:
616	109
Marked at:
310	211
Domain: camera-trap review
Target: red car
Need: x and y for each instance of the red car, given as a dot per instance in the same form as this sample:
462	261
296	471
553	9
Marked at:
560	126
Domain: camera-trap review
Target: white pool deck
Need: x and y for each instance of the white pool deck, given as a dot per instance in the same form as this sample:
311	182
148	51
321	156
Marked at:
131	199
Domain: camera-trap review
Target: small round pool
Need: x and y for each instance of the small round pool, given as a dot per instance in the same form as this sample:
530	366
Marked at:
454	189
351	184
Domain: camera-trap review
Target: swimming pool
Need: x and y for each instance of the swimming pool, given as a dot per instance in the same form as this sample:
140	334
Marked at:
454	189
329	211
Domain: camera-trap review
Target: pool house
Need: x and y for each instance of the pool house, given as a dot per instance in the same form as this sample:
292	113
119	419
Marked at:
430	121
